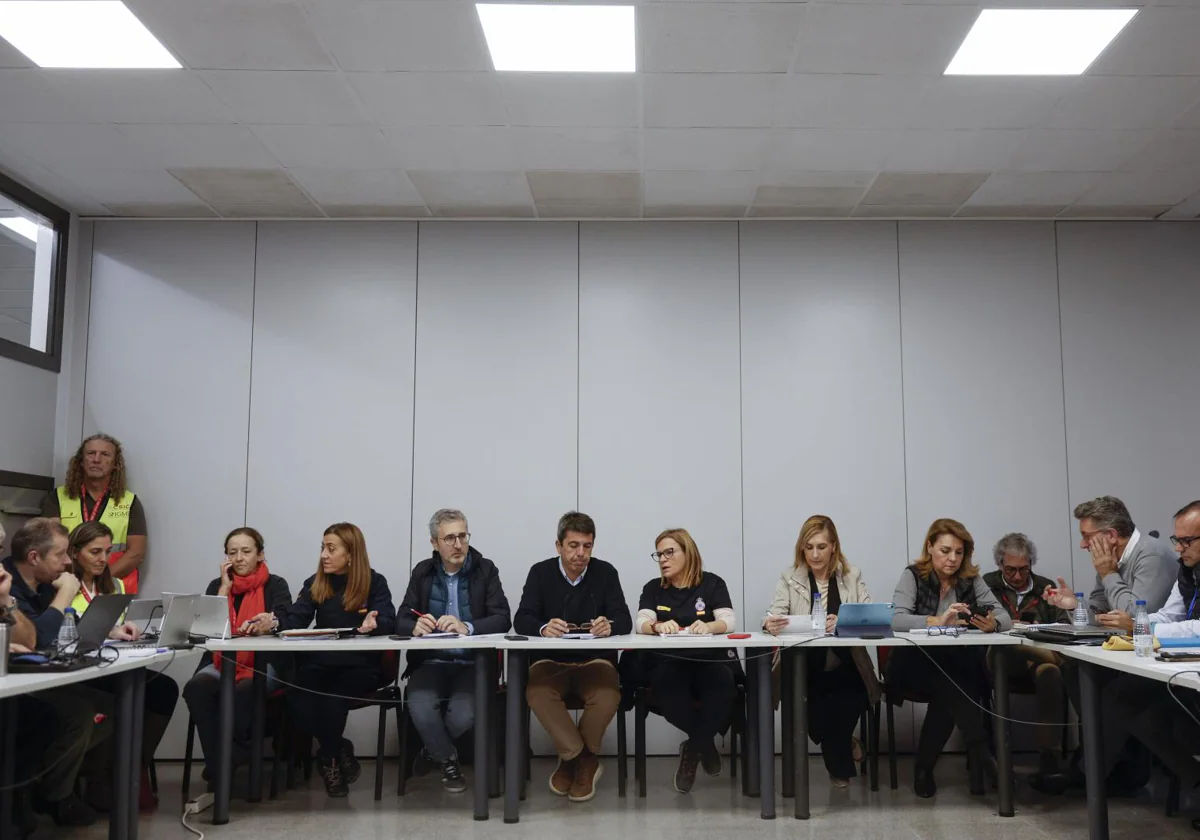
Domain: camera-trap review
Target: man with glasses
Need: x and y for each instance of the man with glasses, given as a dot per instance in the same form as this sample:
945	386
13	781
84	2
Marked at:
457	590
1147	709
1022	594
574	592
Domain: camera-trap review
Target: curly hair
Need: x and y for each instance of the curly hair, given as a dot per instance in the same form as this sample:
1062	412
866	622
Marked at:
116	483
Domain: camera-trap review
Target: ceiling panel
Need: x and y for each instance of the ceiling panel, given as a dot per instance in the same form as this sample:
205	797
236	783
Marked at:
965	102
441	35
466	148
721	100
571	99
582	149
1131	102
683	37
234	34
1077	150
850	101
379	187
699	188
31	96
265	97
327	146
473	190
195	145
834	151
704	148
430	98
126	186
1160	41
142	96
894	38
953	151
1016	189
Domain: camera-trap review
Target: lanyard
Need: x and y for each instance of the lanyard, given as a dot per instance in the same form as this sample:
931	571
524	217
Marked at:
1192	606
95	511
87	596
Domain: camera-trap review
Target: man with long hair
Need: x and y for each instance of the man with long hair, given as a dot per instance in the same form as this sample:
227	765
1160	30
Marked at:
96	491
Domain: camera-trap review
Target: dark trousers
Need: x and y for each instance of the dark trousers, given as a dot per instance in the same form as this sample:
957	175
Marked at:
836	700
58	727
203	697
322	716
695	696
952	700
1146	710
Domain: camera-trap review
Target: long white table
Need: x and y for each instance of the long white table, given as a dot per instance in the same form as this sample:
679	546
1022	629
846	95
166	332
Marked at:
127	731
1089	660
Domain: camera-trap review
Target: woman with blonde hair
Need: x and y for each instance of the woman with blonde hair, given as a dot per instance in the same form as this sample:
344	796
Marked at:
344	593
694	689
943	589
841	682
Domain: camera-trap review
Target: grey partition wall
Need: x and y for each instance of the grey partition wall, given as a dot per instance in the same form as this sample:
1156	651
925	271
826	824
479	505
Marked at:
1129	292
331	401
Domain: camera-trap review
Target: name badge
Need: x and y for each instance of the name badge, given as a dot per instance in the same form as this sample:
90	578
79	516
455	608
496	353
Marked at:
663	609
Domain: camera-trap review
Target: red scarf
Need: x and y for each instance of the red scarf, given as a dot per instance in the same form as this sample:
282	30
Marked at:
254	603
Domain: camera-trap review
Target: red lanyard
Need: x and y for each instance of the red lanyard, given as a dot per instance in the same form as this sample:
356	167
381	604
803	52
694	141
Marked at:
95	511
87	596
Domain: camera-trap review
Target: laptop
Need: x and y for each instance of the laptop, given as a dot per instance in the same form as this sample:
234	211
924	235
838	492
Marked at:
176	625
99	619
147	614
864	621
211	618
1067	634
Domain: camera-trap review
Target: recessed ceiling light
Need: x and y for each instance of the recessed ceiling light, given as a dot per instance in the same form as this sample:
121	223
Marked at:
560	38
1037	42
21	226
81	33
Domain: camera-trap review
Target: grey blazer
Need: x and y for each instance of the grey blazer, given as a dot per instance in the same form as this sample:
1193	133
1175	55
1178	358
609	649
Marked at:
1147	575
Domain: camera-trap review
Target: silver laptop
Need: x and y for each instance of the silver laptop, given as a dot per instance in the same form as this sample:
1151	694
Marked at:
147	614
211	617
177	623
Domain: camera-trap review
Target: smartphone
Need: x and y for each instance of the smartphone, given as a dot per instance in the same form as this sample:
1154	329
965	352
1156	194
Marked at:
982	610
399	638
517	638
1094	610
1179	656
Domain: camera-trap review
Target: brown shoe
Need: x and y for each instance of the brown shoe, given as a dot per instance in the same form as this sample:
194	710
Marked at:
587	773
563	777
685	775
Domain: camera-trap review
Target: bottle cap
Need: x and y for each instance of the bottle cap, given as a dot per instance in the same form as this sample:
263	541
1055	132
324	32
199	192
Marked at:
1078	594
1140	603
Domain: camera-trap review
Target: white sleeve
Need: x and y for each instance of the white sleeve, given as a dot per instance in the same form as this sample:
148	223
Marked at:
1177	629
727	615
1172	611
644	617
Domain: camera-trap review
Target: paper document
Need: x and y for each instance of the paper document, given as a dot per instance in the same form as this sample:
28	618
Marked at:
578	636
438	634
317	632
797	625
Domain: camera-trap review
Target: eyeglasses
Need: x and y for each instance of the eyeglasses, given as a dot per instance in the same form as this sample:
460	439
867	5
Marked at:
657	556
1016	570
1183	542
945	631
1087	535
586	627
454	539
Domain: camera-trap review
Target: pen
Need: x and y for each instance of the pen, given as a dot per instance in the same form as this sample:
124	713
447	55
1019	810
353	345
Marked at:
417	614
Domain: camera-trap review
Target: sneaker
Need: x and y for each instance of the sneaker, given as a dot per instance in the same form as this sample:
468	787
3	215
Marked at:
423	765
452	776
710	758
331	774
587	773
563	777
685	775
72	811
839	783
351	769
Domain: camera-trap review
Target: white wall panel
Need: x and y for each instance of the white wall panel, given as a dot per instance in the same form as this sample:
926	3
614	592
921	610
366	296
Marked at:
1130	292
331	398
822	408
983	384
658	399
496	398
168	374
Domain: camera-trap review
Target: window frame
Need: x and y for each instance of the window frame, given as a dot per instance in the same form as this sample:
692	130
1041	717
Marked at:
51	358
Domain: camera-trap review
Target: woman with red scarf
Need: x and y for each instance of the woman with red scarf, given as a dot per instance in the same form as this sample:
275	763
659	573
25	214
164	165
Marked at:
256	599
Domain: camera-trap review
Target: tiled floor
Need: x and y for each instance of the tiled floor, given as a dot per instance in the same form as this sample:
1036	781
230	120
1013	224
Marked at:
713	810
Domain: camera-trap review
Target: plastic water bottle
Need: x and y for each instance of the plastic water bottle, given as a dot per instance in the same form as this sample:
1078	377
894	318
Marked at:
1143	641
68	635
818	614
1080	617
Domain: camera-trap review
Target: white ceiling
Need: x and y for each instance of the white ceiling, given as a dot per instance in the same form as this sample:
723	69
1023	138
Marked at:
389	108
